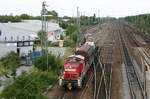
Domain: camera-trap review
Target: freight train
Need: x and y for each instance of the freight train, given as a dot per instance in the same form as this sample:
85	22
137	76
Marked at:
76	66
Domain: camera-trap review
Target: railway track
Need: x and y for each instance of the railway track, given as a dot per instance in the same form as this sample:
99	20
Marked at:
146	57
133	79
108	77
87	84
104	85
131	38
143	35
78	93
98	79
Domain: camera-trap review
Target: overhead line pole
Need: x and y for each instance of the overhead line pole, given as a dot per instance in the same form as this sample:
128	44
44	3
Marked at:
72	33
43	34
99	19
42	13
78	27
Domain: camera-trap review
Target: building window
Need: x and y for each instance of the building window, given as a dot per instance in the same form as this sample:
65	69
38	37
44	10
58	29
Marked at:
29	37
0	32
11	38
5	38
23	37
17	38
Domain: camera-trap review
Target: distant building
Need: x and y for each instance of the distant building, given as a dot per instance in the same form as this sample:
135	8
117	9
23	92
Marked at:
53	21
55	35
24	31
8	47
65	20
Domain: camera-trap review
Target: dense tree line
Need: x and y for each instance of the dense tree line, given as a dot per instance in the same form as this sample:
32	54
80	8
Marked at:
6	18
11	18
140	21
19	18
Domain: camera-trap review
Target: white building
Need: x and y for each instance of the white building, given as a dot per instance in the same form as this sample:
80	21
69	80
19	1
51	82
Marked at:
24	31
27	30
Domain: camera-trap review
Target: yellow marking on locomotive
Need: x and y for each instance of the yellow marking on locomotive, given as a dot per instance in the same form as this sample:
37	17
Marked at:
69	86
91	40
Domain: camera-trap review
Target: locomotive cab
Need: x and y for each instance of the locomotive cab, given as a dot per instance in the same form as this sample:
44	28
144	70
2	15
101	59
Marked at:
73	71
76	67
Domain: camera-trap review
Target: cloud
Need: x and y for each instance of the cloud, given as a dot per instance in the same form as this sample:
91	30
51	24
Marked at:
68	7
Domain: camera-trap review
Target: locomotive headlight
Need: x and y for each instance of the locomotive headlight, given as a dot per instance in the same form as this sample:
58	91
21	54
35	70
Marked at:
79	83
60	82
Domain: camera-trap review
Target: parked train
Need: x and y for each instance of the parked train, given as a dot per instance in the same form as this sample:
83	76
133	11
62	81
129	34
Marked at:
76	66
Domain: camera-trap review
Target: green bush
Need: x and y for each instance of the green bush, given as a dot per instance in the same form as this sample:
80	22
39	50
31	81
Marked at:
54	63
29	86
54	44
10	63
67	43
61	37
63	25
74	36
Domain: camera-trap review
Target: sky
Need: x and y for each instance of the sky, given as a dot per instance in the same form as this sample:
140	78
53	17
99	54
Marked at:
113	8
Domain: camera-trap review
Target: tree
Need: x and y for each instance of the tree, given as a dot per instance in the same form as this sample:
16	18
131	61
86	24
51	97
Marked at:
140	21
40	34
10	63
94	17
61	37
66	17
6	18
25	16
63	25
74	36
53	13
29	86
54	62
70	29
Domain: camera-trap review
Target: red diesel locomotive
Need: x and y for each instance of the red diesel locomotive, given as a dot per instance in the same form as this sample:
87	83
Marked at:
76	67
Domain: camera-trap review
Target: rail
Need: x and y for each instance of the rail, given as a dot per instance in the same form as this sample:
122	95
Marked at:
106	76
133	79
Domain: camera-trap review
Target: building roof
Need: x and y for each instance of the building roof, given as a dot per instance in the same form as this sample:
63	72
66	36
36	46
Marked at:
25	28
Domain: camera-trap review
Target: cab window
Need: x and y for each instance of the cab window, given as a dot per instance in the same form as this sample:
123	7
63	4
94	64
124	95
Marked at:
69	59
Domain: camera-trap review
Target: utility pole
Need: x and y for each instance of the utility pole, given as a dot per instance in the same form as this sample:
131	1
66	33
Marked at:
99	19
78	27
57	18
72	22
135	19
43	34
147	19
